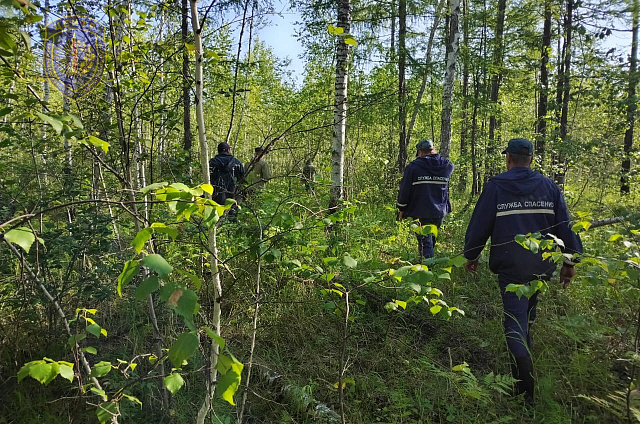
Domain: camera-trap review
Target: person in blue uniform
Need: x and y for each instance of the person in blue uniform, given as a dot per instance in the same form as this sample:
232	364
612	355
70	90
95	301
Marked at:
225	172
520	201
424	192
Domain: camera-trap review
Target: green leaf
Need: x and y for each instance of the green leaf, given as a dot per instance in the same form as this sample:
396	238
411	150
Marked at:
208	188
158	264
185	302
77	122
162	228
101	369
95	329
21	236
615	237
185	346
132	398
90	349
348	261
458	261
229	381
98	392
25	370
140	239
401	303
197	283
101	144
190	47
173	382
66	371
106	411
334	30
152	187
44	372
148	286
435	309
349	39
218	339
55	124
131	269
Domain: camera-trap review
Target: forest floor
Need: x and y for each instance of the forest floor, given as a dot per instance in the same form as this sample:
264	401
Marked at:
402	365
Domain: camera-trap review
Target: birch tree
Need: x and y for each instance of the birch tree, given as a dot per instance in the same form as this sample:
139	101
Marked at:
632	105
340	106
447	95
214	352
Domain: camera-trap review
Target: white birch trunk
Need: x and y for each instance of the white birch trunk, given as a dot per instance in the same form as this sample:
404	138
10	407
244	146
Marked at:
340	107
447	94
205	408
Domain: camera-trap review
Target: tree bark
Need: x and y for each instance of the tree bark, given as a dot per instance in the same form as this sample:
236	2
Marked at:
543	101
186	86
236	71
632	107
447	94
464	127
496	80
564	91
425	76
402	95
340	107
212	240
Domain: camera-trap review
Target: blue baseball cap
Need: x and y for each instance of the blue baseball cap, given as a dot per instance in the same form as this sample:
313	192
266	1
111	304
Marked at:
519	146
425	145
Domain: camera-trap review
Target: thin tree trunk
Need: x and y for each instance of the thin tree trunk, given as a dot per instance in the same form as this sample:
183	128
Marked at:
427	65
464	125
632	100
214	352
564	94
186	86
496	79
402	101
254	7
447	94
254	329
393	30
340	107
235	75
543	101
475	184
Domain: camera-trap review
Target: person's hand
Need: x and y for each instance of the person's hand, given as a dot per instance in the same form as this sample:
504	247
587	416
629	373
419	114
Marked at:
566	274
400	215
471	266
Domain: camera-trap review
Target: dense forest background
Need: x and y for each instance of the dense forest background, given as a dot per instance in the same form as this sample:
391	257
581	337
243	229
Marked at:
128	296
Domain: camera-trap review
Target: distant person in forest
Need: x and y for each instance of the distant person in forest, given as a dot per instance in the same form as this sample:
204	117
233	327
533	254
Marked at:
225	171
309	175
520	201
260	174
424	192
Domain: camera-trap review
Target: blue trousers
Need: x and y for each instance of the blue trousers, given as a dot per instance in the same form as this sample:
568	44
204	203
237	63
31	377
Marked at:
426	243
519	314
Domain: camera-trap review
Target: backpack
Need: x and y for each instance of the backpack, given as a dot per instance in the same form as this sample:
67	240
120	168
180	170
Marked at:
222	177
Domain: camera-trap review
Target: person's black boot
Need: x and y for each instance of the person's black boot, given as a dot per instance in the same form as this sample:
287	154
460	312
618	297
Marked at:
524	372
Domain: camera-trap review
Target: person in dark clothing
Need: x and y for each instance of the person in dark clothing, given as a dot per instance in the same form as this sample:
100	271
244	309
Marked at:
424	192
225	171
520	201
309	175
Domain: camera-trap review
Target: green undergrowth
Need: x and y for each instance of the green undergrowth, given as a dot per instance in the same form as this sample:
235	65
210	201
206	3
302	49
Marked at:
404	363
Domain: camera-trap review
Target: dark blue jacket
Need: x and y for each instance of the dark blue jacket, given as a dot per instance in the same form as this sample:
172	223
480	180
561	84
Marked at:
424	189
519	201
225	171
